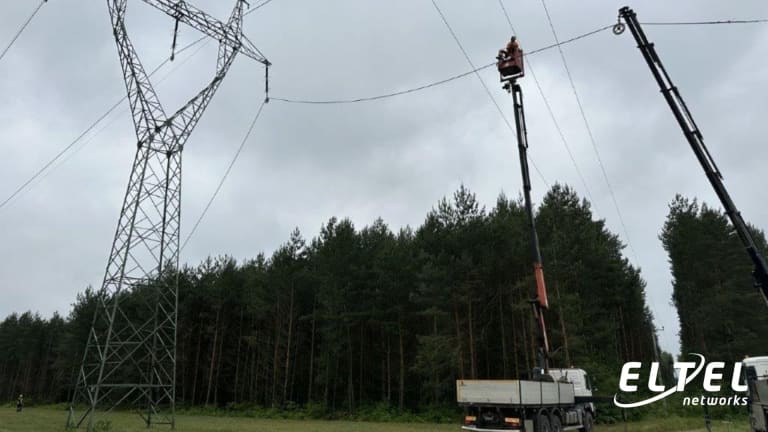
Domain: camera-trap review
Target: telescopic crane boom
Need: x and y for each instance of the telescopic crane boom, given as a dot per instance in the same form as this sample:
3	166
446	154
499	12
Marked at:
696	140
511	67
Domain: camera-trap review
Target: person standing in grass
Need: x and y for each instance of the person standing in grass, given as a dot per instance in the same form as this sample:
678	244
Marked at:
20	403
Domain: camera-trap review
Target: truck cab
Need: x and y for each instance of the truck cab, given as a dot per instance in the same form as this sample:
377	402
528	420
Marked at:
578	377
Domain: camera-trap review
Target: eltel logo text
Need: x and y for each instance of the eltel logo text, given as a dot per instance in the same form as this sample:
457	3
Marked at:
686	372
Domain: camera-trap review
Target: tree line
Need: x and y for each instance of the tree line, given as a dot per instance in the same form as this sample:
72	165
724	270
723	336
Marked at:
722	315
365	316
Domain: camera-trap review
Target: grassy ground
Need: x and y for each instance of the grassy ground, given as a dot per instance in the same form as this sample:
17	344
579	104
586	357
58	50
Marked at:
50	420
676	424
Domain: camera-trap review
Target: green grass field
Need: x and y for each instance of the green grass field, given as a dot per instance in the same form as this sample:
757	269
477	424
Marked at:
50	420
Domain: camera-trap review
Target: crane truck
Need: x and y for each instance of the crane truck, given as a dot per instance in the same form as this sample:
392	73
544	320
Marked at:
553	400
756	367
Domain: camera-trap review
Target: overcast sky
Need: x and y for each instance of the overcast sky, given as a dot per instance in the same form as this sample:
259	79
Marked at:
392	158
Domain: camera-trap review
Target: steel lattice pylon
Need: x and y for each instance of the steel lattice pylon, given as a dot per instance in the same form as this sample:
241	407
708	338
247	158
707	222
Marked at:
130	356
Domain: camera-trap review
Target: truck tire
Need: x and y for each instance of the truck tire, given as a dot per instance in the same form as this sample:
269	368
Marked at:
589	422
542	423
555	425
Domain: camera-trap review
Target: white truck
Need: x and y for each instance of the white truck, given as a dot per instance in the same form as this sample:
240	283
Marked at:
756	371
558	401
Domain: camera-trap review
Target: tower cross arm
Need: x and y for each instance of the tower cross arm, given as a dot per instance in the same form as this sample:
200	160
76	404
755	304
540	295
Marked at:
196	18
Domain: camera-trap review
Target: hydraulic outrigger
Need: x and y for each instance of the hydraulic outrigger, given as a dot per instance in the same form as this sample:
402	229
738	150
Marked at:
695	139
511	67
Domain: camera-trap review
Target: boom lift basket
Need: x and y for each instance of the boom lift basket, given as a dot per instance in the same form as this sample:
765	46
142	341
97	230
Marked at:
510	61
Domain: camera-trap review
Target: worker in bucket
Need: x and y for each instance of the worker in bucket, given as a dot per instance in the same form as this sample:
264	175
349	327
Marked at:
510	60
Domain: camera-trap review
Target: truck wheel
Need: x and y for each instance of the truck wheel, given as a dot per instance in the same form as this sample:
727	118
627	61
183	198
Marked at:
542	423
589	422
555	424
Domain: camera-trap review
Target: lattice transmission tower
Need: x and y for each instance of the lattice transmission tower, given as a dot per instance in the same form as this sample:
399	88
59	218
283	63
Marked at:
130	356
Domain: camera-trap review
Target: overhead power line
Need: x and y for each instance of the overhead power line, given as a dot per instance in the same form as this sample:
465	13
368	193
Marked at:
485	87
257	7
106	125
59	155
486	66
684	23
101	118
435	83
474	70
21	30
383	96
589	129
109	111
226	174
87	130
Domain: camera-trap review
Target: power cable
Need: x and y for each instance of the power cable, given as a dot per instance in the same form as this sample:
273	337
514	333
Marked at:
258	6
59	154
589	129
551	112
177	65
66	148
342	101
226	174
487	90
109	111
383	96
21	30
433	84
684	23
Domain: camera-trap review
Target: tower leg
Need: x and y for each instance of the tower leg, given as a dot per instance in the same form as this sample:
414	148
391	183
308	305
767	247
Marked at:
131	353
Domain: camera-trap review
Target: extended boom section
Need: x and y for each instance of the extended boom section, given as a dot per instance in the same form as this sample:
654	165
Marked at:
511	67
696	141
